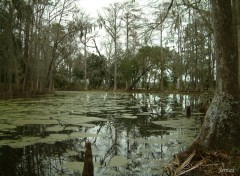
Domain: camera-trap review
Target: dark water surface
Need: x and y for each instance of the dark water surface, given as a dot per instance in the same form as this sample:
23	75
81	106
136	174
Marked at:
131	133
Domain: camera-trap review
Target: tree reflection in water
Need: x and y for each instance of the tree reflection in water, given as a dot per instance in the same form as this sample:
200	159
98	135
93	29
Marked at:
146	129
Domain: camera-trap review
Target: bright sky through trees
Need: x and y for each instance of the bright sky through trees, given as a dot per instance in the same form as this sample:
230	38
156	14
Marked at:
92	6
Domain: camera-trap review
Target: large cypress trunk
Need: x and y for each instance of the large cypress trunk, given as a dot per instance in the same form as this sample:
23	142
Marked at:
237	7
221	125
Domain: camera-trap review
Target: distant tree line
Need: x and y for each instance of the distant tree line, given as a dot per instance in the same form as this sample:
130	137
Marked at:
33	42
48	44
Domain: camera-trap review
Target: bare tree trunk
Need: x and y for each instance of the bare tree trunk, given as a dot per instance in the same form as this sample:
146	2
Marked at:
237	15
127	44
115	66
196	62
221	125
26	81
161	59
112	24
179	48
210	60
134	82
10	50
85	60
115	50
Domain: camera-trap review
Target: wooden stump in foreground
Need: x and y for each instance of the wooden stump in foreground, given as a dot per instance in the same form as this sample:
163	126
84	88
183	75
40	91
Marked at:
188	111
88	169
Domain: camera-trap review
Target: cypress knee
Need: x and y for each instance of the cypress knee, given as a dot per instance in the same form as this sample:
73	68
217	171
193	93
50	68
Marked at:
88	169
188	111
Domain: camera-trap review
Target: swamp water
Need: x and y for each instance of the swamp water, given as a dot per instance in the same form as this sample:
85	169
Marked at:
131	133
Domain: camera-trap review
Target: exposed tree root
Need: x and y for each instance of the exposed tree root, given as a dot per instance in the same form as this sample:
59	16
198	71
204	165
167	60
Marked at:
200	162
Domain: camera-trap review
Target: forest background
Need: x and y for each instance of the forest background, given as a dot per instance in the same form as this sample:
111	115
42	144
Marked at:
49	45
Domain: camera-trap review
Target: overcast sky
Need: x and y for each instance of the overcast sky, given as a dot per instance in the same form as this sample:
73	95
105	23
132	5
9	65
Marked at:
92	6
